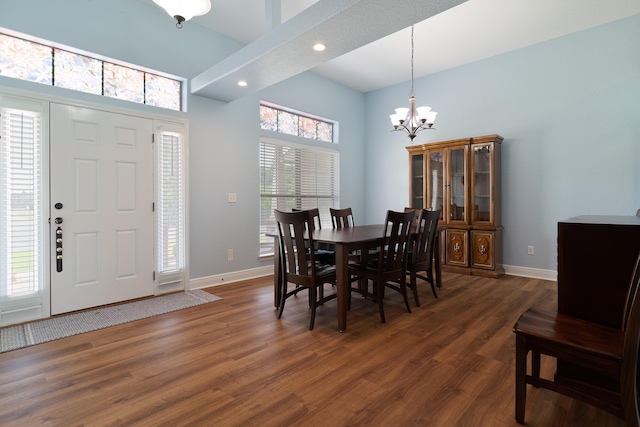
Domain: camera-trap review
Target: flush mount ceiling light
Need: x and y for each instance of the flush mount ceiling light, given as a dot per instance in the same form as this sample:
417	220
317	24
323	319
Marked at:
183	10
319	47
413	120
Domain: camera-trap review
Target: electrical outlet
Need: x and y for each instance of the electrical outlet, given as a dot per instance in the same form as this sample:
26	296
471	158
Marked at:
231	198
530	250
229	254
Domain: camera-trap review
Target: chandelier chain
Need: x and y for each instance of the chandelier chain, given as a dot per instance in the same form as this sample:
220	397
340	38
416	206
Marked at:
411	94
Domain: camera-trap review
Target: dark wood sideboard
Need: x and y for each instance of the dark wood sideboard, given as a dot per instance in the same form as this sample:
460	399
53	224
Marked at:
596	256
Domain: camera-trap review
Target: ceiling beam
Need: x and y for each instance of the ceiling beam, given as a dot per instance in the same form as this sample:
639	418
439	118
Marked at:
285	51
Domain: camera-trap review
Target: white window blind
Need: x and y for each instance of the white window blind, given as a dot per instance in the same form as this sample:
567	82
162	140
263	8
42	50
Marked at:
171	229
295	176
21	217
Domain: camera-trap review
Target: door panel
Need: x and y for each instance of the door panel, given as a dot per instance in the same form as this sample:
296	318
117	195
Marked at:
102	174
457	247
482	249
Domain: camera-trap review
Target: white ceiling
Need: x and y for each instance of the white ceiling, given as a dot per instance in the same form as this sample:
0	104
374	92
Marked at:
468	32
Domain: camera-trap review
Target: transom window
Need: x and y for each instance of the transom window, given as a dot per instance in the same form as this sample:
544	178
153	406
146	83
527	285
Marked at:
290	123
26	59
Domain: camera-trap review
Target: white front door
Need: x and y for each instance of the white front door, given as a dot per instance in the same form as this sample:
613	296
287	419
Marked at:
101	179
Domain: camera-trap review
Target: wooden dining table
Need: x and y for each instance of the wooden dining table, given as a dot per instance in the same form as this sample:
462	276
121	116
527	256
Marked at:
345	241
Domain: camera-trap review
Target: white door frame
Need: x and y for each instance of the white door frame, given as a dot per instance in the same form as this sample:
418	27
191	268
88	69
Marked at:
174	121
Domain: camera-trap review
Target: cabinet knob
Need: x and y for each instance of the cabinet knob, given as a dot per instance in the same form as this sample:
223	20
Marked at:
482	249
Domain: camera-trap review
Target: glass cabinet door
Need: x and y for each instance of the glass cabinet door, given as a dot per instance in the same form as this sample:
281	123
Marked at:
482	183
435	195
457	169
417	181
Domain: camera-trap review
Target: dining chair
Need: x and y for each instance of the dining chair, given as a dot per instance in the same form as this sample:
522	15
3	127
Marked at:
610	354
298	261
325	253
341	218
421	253
389	268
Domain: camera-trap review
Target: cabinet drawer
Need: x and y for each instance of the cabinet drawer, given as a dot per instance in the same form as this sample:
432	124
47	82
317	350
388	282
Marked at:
482	249
456	248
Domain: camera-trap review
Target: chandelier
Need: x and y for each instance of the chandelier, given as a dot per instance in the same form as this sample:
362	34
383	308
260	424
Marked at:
413	119
183	10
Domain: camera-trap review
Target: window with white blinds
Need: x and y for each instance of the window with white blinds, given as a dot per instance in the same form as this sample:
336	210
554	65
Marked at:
21	213
171	229
295	176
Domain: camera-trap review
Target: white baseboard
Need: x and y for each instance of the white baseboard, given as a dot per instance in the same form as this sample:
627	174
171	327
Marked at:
253	273
231	277
535	273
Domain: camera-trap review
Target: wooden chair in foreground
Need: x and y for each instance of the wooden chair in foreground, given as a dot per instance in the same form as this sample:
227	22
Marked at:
389	268
421	254
608	352
298	261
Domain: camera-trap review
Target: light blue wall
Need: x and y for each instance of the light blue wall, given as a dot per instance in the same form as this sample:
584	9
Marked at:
224	138
569	110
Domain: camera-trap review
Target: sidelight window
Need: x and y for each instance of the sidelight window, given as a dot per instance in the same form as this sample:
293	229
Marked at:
21	206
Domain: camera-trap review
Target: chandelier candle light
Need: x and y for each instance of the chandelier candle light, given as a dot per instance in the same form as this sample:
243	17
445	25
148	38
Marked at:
183	10
418	119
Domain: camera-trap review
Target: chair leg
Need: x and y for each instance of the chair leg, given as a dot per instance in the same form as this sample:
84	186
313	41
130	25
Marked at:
429	278
313	295
433	289
535	364
283	297
414	286
521	372
378	290
403	289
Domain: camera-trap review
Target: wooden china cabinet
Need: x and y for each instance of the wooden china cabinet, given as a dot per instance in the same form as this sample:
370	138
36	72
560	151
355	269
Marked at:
462	178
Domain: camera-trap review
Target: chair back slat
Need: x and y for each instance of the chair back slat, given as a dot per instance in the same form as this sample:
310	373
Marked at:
425	236
396	241
341	218
314	214
296	256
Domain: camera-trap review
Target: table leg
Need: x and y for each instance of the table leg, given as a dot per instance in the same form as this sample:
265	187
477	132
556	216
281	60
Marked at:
342	285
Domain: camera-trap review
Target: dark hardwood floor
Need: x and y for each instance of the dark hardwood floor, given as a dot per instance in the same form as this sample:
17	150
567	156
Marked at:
233	363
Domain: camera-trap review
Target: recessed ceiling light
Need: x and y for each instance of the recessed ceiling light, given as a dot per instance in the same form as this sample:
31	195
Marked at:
242	83
319	47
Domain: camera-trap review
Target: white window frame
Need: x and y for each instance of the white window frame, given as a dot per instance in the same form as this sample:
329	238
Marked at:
171	276
20	308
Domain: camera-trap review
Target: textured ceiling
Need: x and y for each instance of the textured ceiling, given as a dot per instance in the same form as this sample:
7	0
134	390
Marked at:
287	49
369	41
